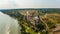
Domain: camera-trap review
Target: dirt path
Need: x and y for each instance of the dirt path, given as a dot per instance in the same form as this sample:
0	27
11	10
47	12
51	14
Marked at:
47	28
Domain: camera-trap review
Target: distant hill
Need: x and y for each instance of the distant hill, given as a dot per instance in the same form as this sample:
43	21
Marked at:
43	10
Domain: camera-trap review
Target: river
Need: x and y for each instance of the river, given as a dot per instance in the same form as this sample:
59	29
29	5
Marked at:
8	25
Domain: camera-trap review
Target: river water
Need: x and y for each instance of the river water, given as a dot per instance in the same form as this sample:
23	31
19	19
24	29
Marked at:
8	25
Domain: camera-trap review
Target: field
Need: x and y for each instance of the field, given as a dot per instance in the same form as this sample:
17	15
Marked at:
37	21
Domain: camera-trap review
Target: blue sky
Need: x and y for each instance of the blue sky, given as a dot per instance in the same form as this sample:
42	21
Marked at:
29	4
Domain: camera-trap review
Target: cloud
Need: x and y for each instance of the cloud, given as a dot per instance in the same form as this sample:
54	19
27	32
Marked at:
29	4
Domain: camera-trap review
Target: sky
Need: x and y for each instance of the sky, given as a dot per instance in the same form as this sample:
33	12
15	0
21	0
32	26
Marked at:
29	4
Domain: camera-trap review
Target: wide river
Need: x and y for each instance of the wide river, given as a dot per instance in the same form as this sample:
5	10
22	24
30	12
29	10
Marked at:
8	25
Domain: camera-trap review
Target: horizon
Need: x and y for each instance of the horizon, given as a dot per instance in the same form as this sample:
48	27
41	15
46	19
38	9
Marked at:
16	4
